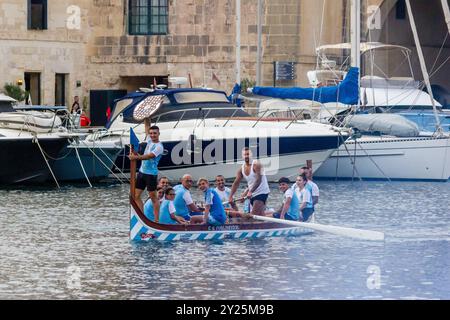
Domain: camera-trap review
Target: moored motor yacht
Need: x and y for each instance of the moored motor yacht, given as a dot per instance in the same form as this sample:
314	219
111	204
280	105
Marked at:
203	134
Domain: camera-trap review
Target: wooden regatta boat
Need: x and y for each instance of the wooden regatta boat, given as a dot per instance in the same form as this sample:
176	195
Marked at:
143	229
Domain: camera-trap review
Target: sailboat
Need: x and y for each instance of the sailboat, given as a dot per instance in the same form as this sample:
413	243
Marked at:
384	155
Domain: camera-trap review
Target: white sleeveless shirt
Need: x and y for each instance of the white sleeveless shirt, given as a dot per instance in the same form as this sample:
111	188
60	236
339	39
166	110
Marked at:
263	187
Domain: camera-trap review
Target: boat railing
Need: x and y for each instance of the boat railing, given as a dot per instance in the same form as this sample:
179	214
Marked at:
207	111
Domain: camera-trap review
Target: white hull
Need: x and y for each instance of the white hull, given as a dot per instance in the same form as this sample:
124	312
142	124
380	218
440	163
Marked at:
285	165
32	121
288	166
393	158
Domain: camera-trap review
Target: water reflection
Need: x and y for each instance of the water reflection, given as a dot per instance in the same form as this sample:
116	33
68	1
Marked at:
44	232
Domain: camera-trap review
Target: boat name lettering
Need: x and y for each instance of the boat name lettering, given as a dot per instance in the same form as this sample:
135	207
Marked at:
221	228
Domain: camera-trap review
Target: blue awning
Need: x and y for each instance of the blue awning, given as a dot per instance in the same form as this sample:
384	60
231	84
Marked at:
347	92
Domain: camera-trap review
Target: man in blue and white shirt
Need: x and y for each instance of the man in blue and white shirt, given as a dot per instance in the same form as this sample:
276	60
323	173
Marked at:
224	193
314	189
147	177
214	212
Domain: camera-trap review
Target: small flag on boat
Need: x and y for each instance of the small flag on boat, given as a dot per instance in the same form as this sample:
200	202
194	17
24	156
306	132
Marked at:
134	141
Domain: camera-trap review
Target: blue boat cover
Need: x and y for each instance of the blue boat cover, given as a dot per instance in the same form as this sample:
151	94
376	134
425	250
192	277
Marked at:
347	92
237	89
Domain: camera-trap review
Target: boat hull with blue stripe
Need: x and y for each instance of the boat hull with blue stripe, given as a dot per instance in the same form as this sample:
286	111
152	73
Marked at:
143	230
203	135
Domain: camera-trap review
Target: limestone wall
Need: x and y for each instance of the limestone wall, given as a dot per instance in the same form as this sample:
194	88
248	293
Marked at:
201	42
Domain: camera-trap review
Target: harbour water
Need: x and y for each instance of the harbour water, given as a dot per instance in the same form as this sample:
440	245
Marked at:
74	243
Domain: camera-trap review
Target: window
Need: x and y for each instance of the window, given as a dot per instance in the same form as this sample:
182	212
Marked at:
400	10
148	17
33	88
37	14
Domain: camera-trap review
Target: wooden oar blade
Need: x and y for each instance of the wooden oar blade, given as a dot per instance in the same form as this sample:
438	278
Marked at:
147	107
342	231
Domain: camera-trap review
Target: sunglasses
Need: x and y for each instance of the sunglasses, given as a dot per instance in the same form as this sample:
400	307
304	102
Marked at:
171	194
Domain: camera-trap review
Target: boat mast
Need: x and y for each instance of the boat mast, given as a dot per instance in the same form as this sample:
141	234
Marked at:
446	13
423	66
238	41
259	47
355	34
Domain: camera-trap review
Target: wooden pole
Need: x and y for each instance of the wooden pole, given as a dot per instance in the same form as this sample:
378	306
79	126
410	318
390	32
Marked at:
190	80
132	175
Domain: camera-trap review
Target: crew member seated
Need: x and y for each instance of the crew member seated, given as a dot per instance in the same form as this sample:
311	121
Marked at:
290	209
184	205
214	211
167	214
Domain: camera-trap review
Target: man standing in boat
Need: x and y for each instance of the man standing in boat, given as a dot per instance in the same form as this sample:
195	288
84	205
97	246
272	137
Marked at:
147	177
258	187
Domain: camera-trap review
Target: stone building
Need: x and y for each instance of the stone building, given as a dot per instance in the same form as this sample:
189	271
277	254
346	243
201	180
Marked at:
99	49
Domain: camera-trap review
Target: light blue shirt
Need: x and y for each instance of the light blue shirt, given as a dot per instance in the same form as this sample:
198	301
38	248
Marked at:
181	207
216	210
224	195
148	210
150	166
305	195
294	207
167	207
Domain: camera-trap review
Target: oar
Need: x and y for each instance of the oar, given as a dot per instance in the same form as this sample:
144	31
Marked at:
341	231
235	200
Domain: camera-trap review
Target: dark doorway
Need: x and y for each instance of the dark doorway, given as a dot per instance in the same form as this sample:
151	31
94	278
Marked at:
100	100
136	82
33	87
60	89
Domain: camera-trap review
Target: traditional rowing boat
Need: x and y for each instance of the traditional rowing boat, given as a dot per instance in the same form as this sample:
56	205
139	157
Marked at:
143	229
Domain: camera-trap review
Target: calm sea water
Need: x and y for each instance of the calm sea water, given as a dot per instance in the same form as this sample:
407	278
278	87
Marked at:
73	244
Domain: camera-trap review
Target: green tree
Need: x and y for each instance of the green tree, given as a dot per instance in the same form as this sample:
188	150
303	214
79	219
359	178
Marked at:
15	92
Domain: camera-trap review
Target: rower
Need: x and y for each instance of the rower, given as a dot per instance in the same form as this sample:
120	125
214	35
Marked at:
305	198
163	182
168	212
314	188
214	211
224	193
148	173
183	202
258	188
290	209
148	206
160	191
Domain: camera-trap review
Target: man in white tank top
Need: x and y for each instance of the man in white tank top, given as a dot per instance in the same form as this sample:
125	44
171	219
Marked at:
258	188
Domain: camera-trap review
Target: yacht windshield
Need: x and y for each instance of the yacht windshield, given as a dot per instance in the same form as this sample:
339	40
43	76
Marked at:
192	97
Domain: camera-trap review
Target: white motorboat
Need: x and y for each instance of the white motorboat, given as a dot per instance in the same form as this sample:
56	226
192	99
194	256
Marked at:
37	148
31	121
203	134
